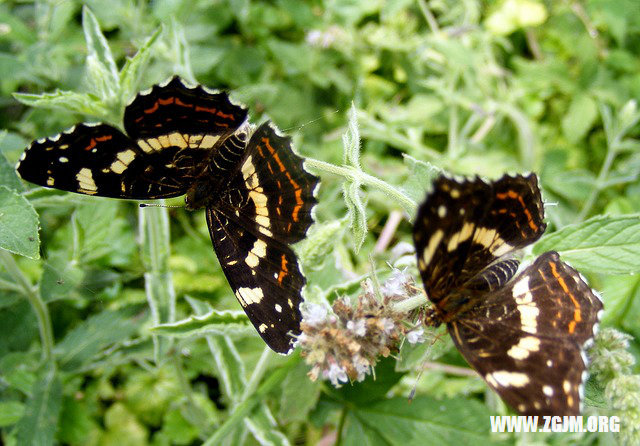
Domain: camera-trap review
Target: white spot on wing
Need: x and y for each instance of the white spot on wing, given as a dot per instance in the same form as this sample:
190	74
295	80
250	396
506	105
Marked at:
504	378
248	296
527	308
524	347
434	241
86	184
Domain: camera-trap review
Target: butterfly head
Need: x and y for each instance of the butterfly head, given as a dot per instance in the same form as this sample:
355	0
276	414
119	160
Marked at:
198	195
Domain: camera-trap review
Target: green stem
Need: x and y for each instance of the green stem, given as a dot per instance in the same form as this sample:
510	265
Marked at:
356	175
193	411
600	181
244	409
410	304
155	247
33	296
429	17
258	373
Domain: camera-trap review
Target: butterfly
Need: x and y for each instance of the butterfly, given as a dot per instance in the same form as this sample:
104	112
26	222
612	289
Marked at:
187	140
525	335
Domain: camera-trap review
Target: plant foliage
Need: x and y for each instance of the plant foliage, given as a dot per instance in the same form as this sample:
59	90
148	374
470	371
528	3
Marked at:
118	325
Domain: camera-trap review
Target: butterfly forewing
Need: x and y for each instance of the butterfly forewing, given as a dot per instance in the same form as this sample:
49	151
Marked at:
171	130
464	226
174	107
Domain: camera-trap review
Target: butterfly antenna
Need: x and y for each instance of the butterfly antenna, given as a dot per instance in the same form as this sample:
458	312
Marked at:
299	127
155	205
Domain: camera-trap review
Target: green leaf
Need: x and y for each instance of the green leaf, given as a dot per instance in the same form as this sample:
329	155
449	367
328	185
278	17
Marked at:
102	72
607	245
419	178
355	213
264	428
8	176
18	225
299	395
59	277
92	336
319	242
374	387
514	14
215	322
351	140
229	364
76	422
133	67
65	100
623	301
40	420
423	421
580	117
10	412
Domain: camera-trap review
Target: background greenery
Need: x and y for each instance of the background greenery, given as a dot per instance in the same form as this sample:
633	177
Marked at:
98	342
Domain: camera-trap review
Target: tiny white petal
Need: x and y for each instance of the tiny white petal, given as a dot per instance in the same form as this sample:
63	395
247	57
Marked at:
314	314
415	336
358	328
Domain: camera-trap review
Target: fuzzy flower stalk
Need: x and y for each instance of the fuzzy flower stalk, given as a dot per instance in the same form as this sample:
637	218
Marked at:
344	343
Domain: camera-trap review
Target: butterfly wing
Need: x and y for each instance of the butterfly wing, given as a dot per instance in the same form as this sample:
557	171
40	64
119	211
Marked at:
266	207
464	226
528	340
172	129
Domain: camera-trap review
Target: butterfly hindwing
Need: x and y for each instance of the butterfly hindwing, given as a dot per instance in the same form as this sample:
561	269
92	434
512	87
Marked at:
264	277
266	206
527	341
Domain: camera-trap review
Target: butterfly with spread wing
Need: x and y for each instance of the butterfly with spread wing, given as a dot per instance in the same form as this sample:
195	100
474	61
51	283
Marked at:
188	140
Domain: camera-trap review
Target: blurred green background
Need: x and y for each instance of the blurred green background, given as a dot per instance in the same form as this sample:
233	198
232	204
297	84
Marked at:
470	87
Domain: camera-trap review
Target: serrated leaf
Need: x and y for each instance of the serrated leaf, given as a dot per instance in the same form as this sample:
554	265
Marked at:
214	322
130	74
93	335
18	225
423	421
355	213
8	176
101	67
608	245
64	100
351	140
40	420
580	117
